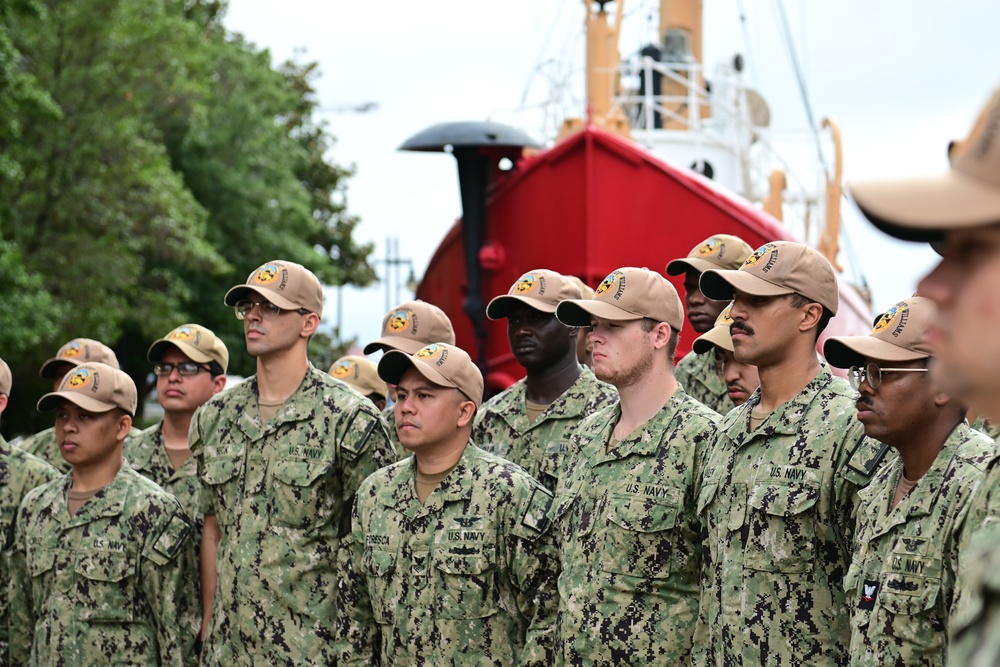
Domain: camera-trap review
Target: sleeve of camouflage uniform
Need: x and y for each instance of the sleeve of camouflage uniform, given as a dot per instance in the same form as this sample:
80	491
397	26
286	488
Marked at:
22	610
533	564
358	633
170	584
859	458
196	440
364	447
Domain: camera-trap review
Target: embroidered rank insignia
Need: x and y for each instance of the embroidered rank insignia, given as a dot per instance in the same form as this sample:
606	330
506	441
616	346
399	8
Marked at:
867	454
869	591
536	516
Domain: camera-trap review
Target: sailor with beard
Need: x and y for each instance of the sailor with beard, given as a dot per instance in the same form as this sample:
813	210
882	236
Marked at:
702	375
780	486
901	585
741	379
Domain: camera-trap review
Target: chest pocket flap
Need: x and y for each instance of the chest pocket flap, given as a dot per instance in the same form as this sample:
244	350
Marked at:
635	515
784	499
220	470
299	472
781	535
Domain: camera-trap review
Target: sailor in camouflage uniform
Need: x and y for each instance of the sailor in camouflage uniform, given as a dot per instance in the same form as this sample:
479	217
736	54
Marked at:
741	379
99	575
901	585
780	487
408	327
533	422
702	375
281	456
451	560
77	351
20	472
626	512
190	366
960	212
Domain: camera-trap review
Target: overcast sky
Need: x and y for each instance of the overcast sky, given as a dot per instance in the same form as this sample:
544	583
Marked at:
902	77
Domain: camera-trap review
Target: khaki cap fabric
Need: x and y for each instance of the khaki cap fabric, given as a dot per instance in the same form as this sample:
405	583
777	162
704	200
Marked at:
898	335
722	251
717	336
361	373
285	284
776	268
94	387
195	342
966	196
626	294
411	325
586	291
442	364
539	288
6	380
79	351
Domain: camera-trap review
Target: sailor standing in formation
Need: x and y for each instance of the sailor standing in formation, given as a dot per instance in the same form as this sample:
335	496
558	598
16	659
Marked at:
815	523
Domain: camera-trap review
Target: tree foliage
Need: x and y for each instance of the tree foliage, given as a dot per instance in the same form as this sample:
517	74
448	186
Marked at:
150	160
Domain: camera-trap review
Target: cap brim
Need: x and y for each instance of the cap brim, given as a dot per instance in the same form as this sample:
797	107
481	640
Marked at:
923	209
51	401
679	266
500	306
847	351
240	292
159	348
717	336
48	369
719	284
389	343
394	365
577	312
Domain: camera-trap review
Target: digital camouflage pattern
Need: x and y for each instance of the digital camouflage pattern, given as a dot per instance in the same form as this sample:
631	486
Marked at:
703	379
901	584
987	426
108	586
777	506
282	494
20	472
540	448
467	579
630	539
147	455
975	622
45	446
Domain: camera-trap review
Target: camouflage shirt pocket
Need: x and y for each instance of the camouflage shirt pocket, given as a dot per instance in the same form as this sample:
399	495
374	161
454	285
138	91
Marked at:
105	581
466	582
781	530
380	566
219	474
639	536
907	609
298	499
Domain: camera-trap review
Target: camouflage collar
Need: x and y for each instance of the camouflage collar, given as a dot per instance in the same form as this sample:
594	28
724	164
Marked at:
787	418
300	406
109	501
645	441
401	487
511	404
142	448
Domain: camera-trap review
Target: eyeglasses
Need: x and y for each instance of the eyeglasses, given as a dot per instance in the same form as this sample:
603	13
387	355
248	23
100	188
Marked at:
266	309
184	368
873	374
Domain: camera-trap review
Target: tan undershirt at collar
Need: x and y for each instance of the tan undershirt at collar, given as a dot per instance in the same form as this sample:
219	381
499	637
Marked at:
904	487
177	455
268	410
535	410
76	499
427	483
757	418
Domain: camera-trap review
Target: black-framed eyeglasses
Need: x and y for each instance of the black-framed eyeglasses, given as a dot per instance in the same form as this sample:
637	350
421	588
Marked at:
873	373
266	309
184	368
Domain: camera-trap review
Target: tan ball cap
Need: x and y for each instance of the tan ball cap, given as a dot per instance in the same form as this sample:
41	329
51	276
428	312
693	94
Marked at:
776	268
95	387
195	342
6	380
442	364
361	373
411	325
79	351
586	291
898	335
718	336
540	289
627	294
722	251
966	196
285	284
